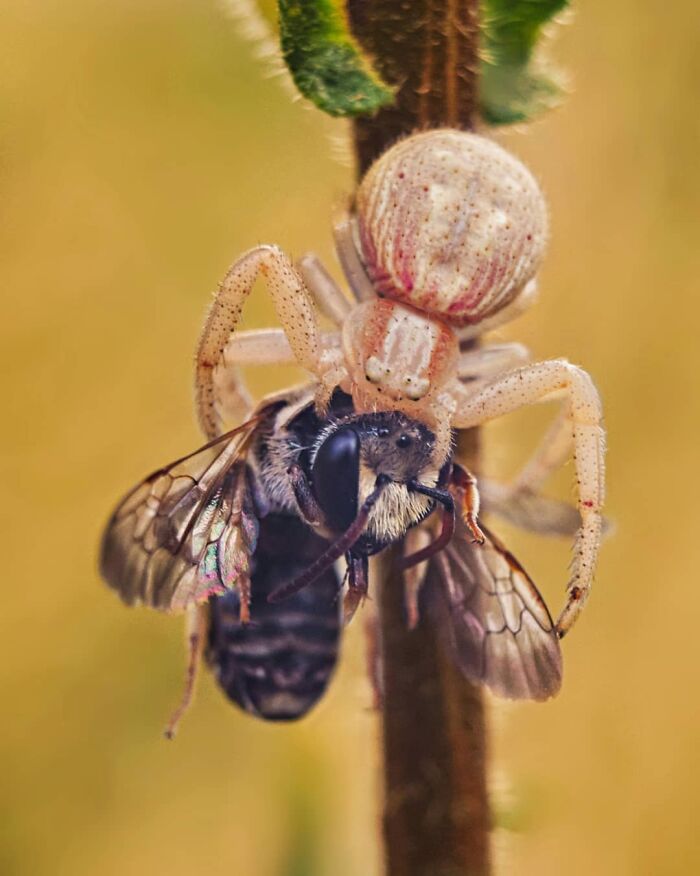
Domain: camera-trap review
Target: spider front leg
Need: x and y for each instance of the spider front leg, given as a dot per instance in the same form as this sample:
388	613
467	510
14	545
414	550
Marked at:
582	420
295	312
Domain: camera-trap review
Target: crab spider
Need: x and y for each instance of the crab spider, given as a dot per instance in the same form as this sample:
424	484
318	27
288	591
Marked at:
444	244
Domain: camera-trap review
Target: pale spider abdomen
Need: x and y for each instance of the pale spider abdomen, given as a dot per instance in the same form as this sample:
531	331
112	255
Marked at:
451	223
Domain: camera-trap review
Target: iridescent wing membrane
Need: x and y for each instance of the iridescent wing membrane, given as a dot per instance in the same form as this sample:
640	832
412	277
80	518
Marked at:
498	625
187	531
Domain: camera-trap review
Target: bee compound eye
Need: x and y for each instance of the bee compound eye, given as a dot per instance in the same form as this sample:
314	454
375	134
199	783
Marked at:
335	477
404	441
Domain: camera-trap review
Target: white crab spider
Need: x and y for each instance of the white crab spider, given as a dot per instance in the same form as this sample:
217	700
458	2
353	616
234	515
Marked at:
445	241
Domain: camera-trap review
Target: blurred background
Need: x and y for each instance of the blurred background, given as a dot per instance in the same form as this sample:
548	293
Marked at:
142	149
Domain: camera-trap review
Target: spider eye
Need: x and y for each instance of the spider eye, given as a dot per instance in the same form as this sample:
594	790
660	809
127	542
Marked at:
416	387
404	441
374	370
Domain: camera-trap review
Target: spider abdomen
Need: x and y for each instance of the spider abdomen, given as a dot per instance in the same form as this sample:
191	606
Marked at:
452	224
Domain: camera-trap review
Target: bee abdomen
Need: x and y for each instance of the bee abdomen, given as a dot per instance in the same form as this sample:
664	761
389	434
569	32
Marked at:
278	666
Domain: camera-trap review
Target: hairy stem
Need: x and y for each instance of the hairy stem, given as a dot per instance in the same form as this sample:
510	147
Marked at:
436	813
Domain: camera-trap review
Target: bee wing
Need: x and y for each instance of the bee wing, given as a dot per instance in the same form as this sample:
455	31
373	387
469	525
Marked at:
187	531
500	629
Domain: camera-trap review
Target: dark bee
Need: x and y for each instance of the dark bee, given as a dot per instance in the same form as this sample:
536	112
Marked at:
245	534
250	527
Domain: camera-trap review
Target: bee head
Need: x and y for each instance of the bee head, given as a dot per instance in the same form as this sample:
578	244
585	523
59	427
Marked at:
354	453
374	476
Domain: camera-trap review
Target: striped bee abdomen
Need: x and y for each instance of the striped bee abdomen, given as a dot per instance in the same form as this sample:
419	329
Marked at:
278	666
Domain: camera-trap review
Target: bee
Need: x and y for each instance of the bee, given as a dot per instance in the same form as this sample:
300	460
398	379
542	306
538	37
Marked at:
245	535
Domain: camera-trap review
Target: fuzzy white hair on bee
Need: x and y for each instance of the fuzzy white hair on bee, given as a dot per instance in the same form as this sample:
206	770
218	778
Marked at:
451	223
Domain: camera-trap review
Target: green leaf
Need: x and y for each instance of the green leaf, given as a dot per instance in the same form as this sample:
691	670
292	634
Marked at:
326	63
511	89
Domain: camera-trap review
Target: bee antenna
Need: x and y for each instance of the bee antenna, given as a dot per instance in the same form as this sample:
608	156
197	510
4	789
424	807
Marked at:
448	524
336	550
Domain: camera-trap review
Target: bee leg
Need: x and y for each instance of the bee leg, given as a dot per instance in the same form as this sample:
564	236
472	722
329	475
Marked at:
243	587
357	586
308	506
466	482
196	630
326	293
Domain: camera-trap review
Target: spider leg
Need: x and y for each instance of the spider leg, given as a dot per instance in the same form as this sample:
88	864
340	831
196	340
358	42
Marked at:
231	399
349	257
268	347
521	500
328	296
552	452
582	420
490	360
516	308
295	311
531	511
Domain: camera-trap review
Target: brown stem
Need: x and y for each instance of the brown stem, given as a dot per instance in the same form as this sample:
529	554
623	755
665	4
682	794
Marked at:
436	813
428	50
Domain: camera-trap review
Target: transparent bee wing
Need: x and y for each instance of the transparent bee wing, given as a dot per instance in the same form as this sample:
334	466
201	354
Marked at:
499	627
187	531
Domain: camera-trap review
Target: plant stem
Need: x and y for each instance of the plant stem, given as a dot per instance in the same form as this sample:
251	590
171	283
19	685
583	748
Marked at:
436	813
429	50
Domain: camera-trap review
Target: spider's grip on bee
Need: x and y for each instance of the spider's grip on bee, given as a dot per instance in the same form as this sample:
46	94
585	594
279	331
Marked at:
444	242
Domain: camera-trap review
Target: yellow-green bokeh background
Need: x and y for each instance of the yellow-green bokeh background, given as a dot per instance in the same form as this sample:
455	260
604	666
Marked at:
141	149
